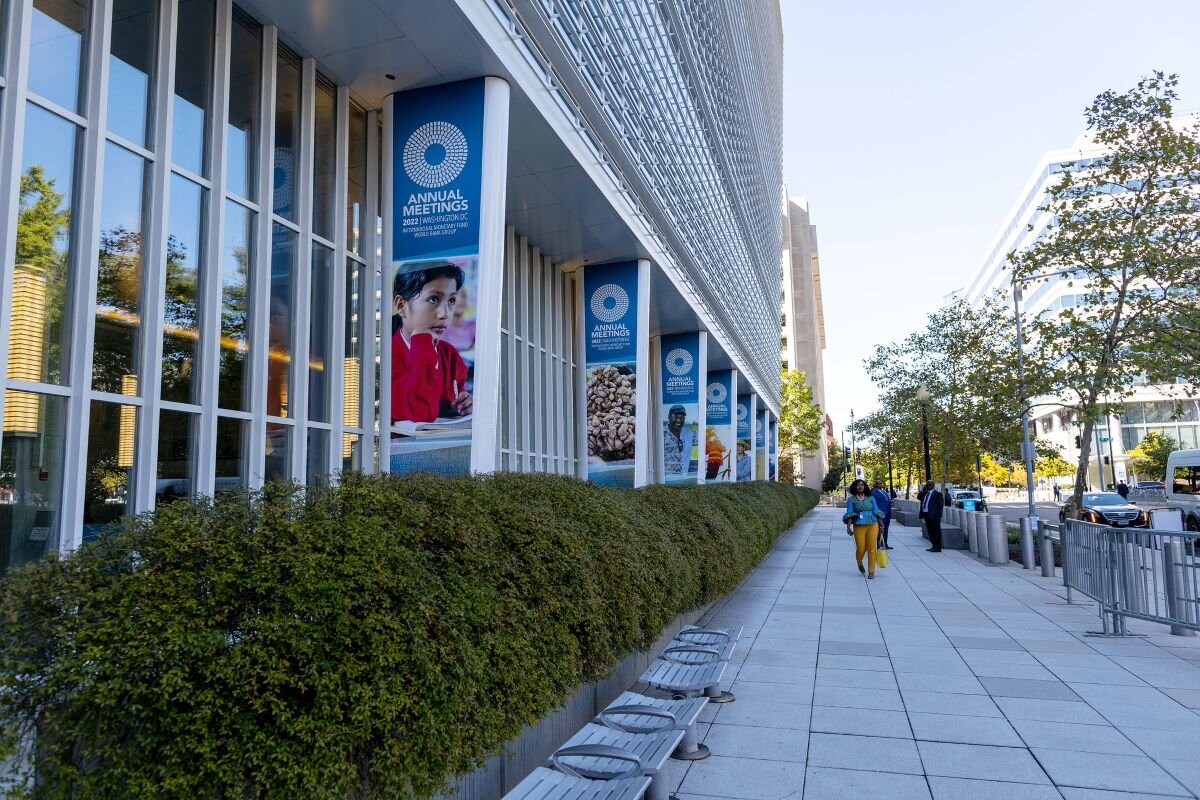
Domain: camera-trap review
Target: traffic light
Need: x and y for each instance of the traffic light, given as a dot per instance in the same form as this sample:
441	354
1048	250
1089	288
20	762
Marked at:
1106	461
1078	442
846	454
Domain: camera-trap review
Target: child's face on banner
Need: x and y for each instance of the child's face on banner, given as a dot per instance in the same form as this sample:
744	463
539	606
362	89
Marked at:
431	310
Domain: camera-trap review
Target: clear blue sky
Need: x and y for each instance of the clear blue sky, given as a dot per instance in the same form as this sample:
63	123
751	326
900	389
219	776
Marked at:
912	127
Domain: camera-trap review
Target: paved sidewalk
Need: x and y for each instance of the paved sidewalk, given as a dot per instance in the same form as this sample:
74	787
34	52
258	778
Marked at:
943	677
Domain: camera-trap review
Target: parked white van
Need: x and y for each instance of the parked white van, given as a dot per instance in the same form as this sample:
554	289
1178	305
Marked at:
1183	485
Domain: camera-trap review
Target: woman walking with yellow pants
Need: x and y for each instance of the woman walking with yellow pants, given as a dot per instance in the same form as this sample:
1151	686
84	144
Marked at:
862	519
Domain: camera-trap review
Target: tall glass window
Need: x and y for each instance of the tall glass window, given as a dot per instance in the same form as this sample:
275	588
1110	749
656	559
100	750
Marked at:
193	84
56	51
231	453
176	456
317	458
287	132
119	271
181	308
130	67
39	341
237	256
324	158
245	64
279	337
31	473
357	217
356	293
320	332
112	444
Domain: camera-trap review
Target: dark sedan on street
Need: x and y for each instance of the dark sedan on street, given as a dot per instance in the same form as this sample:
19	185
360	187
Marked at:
1109	508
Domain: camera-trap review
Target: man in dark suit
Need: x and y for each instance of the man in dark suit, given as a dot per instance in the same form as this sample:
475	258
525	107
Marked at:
931	512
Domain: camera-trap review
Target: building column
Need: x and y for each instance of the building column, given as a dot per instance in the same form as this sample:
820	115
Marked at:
613	386
445	166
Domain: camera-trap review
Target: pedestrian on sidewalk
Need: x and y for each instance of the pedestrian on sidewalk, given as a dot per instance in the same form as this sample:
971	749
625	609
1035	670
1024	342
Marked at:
1123	490
931	512
862	519
884	501
1057	493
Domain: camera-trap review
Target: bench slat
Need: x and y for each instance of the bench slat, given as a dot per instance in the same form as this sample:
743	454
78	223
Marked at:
549	784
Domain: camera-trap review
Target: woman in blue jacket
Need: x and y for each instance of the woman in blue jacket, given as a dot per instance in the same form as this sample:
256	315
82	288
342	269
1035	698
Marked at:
862	519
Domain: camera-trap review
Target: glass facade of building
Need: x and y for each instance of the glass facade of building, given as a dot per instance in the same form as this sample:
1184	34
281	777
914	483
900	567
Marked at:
191	291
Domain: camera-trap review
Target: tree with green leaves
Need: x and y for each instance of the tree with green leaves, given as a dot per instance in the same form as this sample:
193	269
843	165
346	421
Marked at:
1149	458
1124	228
801	420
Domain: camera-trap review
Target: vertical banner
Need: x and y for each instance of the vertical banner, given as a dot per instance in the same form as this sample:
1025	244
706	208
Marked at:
615	341
773	449
682	415
760	444
447	153
721	434
745	438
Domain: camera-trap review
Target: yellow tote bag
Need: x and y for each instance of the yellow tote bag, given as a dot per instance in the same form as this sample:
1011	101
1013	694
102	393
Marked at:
881	558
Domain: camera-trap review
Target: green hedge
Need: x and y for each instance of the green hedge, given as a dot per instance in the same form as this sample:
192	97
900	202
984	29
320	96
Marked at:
369	641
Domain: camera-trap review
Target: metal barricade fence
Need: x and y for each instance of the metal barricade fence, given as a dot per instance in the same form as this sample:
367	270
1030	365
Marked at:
1141	574
1157	578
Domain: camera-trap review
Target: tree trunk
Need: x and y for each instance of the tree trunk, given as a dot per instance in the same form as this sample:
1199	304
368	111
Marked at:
1083	467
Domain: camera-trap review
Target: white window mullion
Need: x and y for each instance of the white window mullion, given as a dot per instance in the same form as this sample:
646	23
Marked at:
260	271
523	327
12	137
301	293
510	298
210	285
336	368
537	385
371	444
561	388
154	259
86	219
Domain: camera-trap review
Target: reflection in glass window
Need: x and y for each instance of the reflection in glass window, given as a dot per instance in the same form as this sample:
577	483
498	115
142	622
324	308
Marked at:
181	307
317	457
232	447
193	84
176	456
108	488
31	471
279	325
356	182
245	64
320	333
277	466
38	345
287	132
56	40
237	256
352	364
119	271
130	65
351	452
324	158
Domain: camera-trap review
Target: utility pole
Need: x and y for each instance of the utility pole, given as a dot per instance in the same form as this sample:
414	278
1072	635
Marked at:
887	445
1112	461
853	444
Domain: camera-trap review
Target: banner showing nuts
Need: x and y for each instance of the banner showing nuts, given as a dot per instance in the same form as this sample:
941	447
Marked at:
610	412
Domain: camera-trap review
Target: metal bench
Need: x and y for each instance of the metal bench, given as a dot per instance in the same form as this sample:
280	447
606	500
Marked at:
550	784
636	713
685	680
601	753
725	641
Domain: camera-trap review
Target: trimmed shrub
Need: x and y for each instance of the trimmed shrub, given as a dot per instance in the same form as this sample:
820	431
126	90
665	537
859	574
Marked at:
366	641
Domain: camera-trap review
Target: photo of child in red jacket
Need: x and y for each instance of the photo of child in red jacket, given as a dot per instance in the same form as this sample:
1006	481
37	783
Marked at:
429	377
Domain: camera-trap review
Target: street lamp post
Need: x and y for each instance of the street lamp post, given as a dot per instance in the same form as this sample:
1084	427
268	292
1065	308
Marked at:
853	445
887	444
923	398
1027	445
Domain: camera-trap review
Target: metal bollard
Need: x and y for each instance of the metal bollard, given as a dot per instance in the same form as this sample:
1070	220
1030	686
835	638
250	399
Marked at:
1026	543
997	528
981	537
1176	587
1047	553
